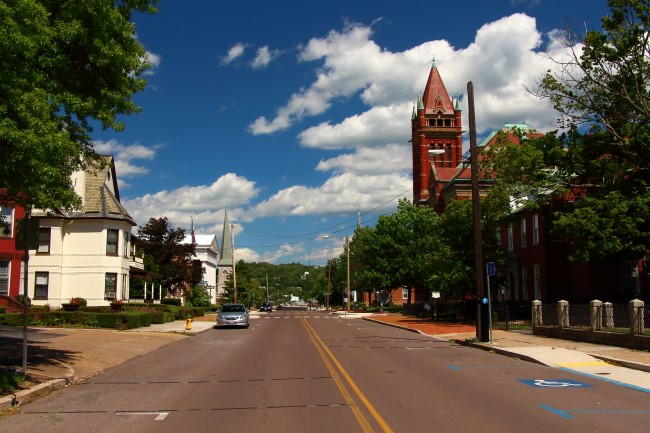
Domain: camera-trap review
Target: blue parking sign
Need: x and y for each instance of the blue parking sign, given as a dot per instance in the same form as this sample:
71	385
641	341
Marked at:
490	269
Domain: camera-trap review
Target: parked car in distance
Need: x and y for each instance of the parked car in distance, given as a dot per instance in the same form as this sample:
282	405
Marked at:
232	315
266	307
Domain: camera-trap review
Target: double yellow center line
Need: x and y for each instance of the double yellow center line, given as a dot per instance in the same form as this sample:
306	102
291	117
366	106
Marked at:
337	371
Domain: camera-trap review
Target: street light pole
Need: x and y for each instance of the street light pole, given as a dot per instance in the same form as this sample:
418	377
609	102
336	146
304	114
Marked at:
482	327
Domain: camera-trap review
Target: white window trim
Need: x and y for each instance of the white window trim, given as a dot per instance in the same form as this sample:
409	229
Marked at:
117	242
47	285
7	278
11	221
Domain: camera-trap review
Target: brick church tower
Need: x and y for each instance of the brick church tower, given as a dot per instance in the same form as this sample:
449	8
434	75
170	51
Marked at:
435	125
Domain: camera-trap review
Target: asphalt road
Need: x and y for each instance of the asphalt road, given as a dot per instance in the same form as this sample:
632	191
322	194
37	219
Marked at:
308	372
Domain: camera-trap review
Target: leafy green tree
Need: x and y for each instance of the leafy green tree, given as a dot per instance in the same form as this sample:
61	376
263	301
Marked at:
370	261
598	172
172	258
454	270
402	250
198	296
606	83
67	67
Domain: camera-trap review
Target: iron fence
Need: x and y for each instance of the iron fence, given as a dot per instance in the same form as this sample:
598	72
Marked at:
512	316
517	316
462	311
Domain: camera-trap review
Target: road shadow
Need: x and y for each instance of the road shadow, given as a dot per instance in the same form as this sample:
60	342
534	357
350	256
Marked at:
40	357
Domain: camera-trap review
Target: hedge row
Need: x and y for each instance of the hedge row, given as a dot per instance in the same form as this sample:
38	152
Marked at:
131	316
179	312
121	320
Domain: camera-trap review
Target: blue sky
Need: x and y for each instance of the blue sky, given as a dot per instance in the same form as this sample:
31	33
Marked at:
295	115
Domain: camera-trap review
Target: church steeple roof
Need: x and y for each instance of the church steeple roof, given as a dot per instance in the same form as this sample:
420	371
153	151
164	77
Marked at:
436	98
225	256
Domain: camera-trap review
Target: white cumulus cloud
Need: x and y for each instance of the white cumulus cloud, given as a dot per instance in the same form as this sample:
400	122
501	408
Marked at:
263	57
234	53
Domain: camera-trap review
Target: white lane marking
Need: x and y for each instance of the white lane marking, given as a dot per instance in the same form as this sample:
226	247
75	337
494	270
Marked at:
159	415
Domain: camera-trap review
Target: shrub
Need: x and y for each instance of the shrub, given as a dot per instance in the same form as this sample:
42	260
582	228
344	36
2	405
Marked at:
20	298
2	310
98	309
77	300
162	317
198	296
171	301
11	319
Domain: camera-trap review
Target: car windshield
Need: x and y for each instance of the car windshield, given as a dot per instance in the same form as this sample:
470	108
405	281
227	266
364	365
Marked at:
233	309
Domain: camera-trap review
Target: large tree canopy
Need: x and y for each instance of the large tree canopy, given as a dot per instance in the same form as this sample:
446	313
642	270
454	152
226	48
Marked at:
597	172
167	254
65	66
415	247
606	82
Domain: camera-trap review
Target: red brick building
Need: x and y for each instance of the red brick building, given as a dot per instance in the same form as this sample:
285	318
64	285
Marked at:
10	258
538	265
436	137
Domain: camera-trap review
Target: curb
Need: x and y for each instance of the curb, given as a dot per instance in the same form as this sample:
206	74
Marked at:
28	395
505	352
498	351
466	343
627	364
370	319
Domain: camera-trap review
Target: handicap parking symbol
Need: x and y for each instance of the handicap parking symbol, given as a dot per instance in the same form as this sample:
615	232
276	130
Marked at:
554	383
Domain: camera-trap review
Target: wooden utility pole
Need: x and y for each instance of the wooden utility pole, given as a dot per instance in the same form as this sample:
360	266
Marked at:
234	274
347	242
481	332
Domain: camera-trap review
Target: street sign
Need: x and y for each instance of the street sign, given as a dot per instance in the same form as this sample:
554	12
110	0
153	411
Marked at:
490	269
484	301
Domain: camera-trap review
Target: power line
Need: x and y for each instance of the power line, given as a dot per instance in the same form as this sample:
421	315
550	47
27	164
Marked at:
315	234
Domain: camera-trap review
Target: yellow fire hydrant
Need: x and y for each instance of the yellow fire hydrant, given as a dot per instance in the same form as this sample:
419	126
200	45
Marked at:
188	324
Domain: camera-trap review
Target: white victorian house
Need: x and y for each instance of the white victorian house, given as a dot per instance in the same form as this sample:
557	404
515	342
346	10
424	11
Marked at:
207	253
85	253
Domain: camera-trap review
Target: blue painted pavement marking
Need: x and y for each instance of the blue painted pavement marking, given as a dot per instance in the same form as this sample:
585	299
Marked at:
554	383
566	414
453	367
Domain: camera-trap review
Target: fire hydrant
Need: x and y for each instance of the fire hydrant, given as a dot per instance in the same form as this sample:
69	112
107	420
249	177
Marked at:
188	324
